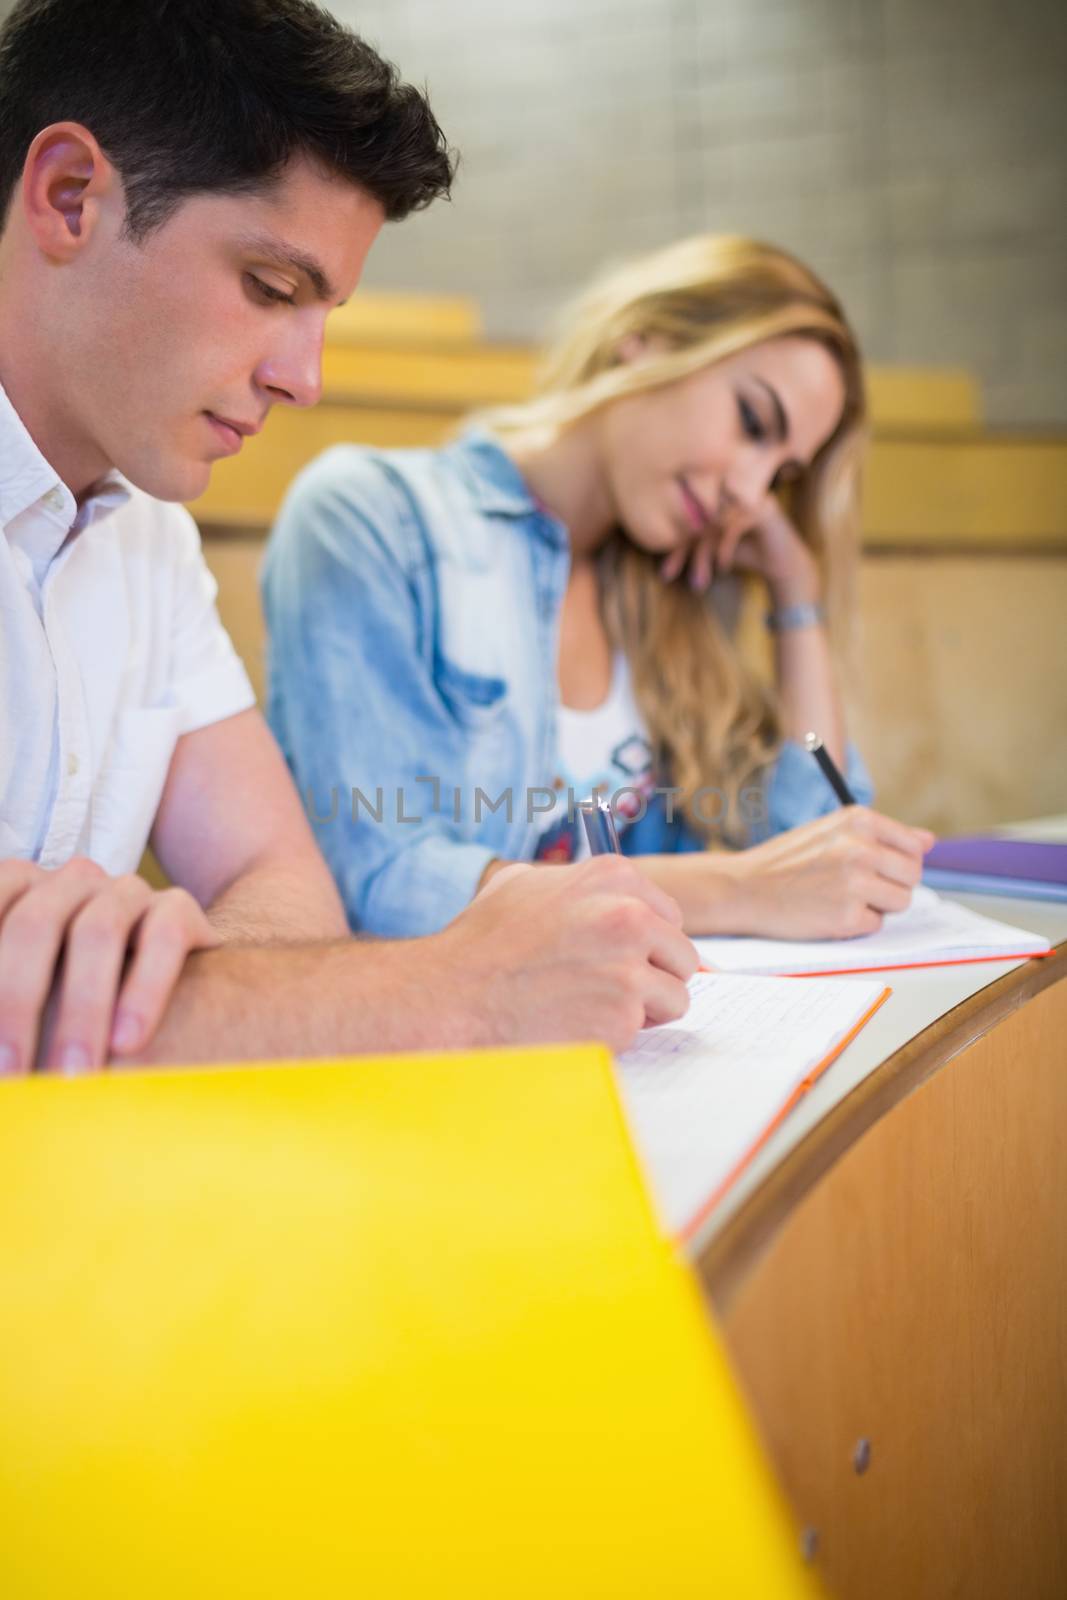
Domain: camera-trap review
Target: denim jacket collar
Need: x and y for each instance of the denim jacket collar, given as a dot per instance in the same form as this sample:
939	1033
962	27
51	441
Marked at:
498	488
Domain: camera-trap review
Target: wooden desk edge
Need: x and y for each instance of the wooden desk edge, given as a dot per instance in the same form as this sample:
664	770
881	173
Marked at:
731	1254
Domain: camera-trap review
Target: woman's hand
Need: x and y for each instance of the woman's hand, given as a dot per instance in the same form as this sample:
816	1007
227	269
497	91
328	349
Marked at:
832	878
771	547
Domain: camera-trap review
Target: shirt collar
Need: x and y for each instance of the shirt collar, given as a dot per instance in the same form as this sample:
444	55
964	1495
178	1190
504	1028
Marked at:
497	486
29	483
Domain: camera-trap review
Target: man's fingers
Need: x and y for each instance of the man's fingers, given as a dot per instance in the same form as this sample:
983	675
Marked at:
96	945
31	938
672	952
172	927
666	1000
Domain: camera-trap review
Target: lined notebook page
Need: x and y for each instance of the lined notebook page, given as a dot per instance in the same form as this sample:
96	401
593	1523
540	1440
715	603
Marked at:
701	1095
931	931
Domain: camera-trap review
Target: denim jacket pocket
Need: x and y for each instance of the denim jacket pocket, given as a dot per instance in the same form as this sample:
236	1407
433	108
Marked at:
473	700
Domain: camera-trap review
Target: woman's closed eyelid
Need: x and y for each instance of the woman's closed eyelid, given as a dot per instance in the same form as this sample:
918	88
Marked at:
750	419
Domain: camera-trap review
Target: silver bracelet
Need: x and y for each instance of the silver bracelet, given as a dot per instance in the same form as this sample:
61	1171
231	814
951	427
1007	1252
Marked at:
810	614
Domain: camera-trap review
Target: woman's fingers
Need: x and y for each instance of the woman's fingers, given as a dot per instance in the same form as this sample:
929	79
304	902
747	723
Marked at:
672	565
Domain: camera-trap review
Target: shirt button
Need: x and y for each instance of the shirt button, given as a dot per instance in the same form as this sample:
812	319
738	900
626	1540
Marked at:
72	766
54	498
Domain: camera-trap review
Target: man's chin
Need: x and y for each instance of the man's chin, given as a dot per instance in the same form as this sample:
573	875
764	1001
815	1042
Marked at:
170	480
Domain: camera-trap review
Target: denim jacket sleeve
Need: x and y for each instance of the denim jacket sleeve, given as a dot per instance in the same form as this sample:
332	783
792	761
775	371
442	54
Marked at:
354	700
797	792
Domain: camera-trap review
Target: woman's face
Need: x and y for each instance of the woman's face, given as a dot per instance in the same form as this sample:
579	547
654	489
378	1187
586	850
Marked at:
702	455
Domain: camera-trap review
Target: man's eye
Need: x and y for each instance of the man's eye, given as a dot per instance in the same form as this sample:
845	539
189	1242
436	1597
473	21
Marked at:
750	422
267	292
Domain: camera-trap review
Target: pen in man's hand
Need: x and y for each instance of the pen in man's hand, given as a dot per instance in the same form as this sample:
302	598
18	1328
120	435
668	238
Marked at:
600	827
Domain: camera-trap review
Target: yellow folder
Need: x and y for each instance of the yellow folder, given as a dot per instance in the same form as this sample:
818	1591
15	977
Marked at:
401	1326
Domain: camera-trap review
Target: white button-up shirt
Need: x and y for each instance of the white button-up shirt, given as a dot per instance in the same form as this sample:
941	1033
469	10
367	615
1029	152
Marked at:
110	649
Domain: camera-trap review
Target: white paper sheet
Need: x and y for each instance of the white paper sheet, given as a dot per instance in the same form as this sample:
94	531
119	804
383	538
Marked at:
931	929
699	1094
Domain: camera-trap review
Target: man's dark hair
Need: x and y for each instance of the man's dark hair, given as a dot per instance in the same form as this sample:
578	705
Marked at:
197	96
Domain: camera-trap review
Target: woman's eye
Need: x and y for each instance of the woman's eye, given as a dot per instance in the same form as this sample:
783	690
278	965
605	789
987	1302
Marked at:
750	422
267	292
786	474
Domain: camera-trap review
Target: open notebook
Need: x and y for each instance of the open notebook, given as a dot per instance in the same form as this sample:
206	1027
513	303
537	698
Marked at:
703	1095
931	933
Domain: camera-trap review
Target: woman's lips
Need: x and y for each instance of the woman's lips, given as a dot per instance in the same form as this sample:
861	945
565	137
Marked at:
696	515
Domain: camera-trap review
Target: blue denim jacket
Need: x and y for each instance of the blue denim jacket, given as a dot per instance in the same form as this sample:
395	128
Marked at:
413	599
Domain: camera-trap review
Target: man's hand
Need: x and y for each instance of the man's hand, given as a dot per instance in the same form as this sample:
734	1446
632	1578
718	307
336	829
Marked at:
593	951
828	879
87	963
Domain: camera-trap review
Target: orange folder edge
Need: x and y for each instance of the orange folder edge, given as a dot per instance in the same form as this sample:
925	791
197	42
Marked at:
695	1221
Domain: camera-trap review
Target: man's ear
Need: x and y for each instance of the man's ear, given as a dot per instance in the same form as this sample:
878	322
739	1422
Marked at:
65	180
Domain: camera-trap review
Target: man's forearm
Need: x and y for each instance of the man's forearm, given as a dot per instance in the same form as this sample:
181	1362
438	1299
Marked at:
277	902
333	998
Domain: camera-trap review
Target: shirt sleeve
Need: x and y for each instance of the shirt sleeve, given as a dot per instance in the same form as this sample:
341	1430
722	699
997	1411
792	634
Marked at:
797	792
353	699
207	677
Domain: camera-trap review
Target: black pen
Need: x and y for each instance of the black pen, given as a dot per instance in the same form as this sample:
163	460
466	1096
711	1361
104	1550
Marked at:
600	827
814	746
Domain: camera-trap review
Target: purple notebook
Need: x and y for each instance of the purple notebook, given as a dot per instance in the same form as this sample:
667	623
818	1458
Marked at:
1001	858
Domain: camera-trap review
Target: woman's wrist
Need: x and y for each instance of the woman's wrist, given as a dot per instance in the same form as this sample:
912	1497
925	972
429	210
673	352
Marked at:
722	895
796	589
788	619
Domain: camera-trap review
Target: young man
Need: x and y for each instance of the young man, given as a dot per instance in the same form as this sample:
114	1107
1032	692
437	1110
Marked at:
187	188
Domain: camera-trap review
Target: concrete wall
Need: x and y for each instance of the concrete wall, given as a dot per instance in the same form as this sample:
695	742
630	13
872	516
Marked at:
916	153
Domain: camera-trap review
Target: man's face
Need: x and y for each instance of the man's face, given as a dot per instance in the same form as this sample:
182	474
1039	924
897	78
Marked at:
214	318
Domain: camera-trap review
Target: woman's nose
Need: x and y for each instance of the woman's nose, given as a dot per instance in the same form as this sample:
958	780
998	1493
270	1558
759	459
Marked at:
747	488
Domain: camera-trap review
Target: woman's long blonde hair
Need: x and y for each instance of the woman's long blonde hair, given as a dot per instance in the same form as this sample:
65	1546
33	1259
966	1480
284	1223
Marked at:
711	721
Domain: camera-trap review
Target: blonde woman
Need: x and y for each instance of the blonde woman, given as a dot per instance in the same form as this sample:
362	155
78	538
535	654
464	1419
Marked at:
465	642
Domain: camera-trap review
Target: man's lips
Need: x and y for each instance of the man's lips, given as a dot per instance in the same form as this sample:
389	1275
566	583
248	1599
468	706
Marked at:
232	434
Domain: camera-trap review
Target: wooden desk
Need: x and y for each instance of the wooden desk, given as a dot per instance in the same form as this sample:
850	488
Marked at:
891	1280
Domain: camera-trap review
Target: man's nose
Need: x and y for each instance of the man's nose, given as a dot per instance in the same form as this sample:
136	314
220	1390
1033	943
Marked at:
292	373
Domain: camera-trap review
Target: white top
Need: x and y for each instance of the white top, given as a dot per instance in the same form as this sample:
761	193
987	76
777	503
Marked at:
603	751
110	649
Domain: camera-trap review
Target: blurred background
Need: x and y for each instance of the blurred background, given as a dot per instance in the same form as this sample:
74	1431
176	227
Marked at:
915	153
